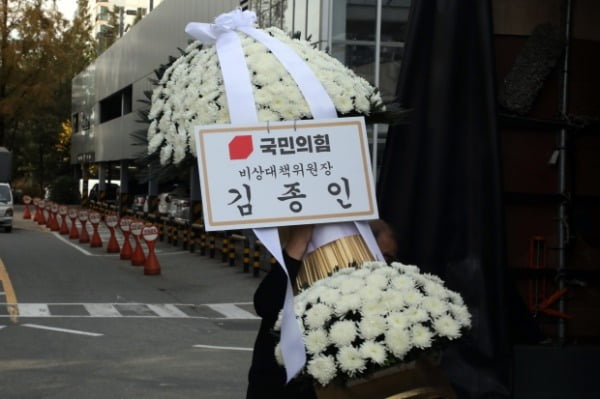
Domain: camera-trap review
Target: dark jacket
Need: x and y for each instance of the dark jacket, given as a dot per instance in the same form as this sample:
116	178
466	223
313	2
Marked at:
266	378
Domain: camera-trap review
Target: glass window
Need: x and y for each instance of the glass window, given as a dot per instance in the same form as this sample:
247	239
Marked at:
5	194
269	12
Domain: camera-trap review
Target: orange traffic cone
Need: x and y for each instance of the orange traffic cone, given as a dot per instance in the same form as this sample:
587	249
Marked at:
49	215
84	237
137	258
96	241
111	222
126	249
41	219
73	233
27	212
151	266
64	229
54	220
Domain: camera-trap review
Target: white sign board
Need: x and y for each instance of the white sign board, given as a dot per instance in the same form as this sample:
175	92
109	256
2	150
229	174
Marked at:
150	233
285	173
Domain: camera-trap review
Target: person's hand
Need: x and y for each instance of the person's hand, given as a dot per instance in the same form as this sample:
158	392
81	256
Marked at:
299	237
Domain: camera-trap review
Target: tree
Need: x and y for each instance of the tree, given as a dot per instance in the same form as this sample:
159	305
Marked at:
40	53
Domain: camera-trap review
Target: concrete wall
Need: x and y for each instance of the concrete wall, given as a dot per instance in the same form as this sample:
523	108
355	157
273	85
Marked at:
131	61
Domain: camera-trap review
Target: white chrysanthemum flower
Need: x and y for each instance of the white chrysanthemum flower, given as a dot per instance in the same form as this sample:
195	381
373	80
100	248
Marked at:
434	289
350	285
358	273
370	293
408	269
322	368
421	336
434	305
350	360
374	308
316	316
196	75
155	142
329	296
373	351
393	301
446	326
393	311
461	314
342	332
347	303
385	271
413	297
336	280
403	283
267	115
316	341
397	320
398	342
377	280
344	104
278	354
372	326
179	145
416	314
165	154
299	306
312	295
433	278
455	298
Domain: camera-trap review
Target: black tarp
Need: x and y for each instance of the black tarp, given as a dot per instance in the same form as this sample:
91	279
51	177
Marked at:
440	185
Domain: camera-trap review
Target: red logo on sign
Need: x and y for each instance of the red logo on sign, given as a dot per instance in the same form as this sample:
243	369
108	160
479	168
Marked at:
240	147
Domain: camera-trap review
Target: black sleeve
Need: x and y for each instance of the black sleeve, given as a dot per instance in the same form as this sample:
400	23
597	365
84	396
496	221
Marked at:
270	294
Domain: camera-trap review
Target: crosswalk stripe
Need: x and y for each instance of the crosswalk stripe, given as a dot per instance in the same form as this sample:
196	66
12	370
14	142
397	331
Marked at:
33	310
125	310
231	311
101	310
167	310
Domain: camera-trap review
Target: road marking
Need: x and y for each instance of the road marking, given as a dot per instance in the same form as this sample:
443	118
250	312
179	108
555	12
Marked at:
231	311
65	330
101	310
131	310
33	310
227	348
1	327
77	247
9	293
167	310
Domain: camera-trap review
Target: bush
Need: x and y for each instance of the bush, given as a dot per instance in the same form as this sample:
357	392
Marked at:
63	190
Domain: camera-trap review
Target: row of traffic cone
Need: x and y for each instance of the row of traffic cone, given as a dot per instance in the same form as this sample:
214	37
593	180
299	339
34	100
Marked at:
129	227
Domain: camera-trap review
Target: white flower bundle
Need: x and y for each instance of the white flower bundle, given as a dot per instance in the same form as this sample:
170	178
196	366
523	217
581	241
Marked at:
191	92
360	320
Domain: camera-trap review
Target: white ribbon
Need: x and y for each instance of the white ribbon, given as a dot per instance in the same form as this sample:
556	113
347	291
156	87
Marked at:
242	110
240	99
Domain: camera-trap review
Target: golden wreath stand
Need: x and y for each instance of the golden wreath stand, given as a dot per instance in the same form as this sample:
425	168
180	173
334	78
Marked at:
420	379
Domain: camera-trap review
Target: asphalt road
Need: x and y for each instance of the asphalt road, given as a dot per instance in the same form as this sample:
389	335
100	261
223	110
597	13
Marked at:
88	325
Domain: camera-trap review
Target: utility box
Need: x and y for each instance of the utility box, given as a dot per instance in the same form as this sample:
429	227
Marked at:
5	165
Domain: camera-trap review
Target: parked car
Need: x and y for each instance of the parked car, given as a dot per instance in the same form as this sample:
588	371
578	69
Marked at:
179	208
111	190
140	203
6	207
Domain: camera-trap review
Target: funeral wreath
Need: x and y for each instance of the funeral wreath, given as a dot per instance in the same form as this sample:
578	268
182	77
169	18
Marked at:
361	320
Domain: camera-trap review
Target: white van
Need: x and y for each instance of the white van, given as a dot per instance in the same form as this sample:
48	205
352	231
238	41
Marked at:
6	207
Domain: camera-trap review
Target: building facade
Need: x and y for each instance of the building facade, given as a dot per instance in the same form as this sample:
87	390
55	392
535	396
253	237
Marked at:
127	14
366	35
